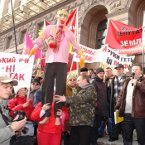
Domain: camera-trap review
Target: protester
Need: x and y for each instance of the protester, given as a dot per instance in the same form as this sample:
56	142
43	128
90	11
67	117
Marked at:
21	103
48	133
101	113
114	87
71	89
144	71
91	74
7	129
131	105
58	39
84	70
82	111
108	76
35	86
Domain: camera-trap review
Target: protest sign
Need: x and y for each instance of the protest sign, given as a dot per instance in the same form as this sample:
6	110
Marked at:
124	38
105	55
114	58
91	55
18	67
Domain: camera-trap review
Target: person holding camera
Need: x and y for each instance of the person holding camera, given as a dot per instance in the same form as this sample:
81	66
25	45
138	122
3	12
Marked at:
21	103
7	129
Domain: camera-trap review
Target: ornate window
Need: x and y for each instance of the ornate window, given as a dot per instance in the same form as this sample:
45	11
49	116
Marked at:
101	33
22	36
8	42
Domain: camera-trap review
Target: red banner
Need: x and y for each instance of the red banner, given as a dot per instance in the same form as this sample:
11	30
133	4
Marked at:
71	24
124	38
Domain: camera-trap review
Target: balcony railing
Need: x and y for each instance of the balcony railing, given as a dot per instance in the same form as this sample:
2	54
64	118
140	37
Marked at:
24	12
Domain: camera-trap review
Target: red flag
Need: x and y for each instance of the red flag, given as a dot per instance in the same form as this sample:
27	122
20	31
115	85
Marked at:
124	38
71	64
46	23
71	24
70	17
42	64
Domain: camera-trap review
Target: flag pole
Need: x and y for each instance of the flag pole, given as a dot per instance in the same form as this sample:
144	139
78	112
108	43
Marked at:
14	28
143	39
77	35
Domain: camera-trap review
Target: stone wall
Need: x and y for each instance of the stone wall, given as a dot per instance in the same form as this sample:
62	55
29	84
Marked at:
91	12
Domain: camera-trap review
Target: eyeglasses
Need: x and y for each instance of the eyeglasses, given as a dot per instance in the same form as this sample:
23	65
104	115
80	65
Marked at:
72	79
36	84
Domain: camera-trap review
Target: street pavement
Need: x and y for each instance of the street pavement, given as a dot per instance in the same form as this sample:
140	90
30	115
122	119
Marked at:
104	140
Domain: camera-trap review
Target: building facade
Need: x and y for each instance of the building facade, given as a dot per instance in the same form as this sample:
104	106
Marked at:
93	16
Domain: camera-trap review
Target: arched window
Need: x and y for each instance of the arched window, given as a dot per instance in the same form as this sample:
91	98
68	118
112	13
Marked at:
101	33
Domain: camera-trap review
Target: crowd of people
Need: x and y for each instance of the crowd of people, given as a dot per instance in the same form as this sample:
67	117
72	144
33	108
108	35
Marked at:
63	108
88	108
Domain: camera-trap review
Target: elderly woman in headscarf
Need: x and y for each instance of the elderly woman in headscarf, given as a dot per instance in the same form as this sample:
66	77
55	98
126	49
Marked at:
71	89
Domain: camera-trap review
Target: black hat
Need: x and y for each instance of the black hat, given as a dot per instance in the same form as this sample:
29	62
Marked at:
83	69
99	69
119	66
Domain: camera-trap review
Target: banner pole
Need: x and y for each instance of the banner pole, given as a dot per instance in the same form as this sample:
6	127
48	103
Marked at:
143	56
143	39
77	35
14	28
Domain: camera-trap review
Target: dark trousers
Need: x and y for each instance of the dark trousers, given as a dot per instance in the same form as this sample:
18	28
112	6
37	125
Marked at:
129	125
65	138
116	128
94	132
54	72
80	135
109	123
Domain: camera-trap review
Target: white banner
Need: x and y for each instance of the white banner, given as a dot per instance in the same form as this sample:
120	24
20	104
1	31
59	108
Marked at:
143	32
105	55
92	55
114	58
18	67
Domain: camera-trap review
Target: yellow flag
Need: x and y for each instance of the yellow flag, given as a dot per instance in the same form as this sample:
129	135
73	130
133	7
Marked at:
32	52
70	48
82	59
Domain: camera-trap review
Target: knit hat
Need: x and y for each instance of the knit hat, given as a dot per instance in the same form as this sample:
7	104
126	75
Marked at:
83	69
99	69
119	66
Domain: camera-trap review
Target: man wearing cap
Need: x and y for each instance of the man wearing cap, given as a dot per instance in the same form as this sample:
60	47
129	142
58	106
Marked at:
101	108
35	86
116	84
7	129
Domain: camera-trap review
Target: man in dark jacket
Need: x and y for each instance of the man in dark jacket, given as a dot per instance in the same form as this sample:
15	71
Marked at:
131	105
114	87
101	112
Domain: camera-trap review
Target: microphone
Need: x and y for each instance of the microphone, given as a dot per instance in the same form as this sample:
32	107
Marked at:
133	74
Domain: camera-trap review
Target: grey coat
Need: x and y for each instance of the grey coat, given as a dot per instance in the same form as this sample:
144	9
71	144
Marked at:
5	132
